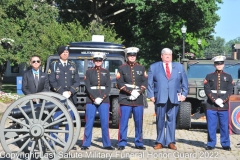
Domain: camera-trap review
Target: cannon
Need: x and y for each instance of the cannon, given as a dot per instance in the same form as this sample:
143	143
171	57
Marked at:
26	126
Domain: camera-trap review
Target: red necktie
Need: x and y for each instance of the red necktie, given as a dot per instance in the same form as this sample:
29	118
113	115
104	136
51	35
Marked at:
168	71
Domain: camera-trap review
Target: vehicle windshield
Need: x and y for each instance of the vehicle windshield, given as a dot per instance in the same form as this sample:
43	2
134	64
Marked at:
111	65
201	70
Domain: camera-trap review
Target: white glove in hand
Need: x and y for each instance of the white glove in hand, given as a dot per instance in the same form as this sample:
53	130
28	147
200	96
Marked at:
219	102
66	94
98	101
135	93
131	98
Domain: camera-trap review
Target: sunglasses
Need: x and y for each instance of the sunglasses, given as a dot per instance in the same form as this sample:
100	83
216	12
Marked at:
36	61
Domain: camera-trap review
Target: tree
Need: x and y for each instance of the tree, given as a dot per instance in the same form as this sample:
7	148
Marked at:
35	27
228	45
147	24
215	47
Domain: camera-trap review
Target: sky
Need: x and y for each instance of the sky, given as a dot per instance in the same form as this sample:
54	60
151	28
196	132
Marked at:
229	25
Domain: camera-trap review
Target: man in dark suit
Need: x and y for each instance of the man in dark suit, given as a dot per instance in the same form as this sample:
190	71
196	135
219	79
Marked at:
64	79
167	86
34	80
132	82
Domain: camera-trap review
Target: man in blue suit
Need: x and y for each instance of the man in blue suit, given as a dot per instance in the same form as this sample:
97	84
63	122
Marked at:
167	87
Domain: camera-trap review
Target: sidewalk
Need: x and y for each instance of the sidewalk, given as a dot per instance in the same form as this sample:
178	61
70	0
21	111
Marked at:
190	143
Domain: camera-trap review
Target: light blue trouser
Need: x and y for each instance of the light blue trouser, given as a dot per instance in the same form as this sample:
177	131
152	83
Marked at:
168	110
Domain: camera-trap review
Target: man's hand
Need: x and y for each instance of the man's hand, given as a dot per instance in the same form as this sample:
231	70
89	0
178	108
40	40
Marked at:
152	99
135	93
182	98
37	100
66	94
98	101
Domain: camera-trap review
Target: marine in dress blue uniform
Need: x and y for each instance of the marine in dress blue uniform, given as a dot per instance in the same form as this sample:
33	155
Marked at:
98	86
132	82
64	79
218	87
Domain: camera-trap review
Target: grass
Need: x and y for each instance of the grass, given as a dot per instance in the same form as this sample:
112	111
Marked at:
9	88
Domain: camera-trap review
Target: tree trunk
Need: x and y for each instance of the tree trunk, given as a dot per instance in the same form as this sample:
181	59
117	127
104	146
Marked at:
3	68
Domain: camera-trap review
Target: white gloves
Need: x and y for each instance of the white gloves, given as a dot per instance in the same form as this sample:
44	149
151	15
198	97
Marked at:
134	95
219	102
131	98
98	101
66	94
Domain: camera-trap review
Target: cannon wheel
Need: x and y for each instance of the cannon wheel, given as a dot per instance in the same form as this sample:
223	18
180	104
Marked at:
34	127
72	108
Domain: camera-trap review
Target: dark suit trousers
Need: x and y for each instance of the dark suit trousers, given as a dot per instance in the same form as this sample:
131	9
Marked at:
168	110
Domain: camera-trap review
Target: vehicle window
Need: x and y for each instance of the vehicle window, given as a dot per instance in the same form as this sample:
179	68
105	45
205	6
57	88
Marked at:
79	63
233	70
111	65
201	70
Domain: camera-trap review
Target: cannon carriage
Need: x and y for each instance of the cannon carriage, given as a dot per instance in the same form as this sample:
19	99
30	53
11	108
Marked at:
26	126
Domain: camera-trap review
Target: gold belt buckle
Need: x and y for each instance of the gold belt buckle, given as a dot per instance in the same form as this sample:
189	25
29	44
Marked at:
134	86
98	87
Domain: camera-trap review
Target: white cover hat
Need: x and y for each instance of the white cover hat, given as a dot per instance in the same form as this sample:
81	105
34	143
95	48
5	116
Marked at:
98	55
131	50
219	59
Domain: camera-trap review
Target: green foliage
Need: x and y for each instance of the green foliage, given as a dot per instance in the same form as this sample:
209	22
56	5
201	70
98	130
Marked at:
228	45
215	47
36	28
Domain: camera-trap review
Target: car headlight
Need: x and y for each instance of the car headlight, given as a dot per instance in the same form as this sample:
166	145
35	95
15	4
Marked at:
201	93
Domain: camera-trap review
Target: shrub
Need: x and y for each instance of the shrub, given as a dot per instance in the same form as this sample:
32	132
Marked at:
8	97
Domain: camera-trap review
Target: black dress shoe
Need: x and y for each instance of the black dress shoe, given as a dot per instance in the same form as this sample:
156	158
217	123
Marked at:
121	147
227	148
109	148
209	148
140	147
84	148
74	148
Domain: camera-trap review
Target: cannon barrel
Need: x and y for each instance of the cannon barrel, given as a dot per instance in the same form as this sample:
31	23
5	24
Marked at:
16	113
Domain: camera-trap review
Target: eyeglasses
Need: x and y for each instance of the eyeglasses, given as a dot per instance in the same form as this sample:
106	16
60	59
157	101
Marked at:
36	61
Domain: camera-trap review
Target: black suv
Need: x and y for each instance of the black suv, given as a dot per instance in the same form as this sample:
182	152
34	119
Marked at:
80	53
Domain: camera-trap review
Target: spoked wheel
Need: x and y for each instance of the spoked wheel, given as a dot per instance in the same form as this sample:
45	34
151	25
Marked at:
33	126
71	108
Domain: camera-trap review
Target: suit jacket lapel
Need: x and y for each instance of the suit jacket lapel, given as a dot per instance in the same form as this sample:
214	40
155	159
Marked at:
163	70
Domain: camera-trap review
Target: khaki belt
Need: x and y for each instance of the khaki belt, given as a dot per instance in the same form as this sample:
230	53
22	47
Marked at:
132	86
219	91
98	87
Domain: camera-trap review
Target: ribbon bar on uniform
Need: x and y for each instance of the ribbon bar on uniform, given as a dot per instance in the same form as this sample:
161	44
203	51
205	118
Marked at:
98	87
219	91
132	86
